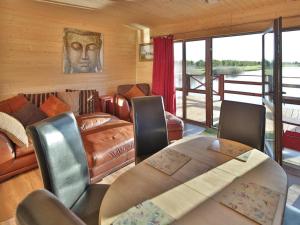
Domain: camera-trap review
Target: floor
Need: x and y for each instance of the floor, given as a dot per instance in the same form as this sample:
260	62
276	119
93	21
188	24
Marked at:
15	189
190	129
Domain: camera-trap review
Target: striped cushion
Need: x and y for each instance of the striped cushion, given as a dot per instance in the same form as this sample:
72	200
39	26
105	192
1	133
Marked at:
39	98
86	101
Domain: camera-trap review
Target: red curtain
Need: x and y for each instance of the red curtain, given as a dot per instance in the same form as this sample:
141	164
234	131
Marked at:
163	71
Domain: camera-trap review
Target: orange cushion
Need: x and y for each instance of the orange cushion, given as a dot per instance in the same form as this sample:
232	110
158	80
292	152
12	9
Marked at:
53	106
13	104
4	107
134	92
17	102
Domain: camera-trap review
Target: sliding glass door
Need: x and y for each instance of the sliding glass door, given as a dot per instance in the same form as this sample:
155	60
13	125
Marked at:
195	81
192	80
272	89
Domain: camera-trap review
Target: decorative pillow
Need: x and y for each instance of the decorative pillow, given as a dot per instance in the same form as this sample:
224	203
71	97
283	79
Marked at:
72	99
17	102
53	106
13	129
13	104
38	98
87	101
29	114
4	107
133	92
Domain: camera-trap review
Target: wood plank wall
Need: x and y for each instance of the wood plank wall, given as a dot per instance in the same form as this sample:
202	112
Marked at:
32	49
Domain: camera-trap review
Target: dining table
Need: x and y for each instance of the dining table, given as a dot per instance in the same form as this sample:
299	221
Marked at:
199	180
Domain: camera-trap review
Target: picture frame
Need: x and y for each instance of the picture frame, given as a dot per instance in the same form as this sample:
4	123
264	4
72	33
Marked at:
146	52
83	51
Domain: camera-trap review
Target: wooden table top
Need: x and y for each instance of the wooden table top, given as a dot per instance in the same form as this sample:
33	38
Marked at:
212	172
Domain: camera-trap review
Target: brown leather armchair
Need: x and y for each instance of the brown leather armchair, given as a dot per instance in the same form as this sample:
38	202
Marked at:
122	105
122	109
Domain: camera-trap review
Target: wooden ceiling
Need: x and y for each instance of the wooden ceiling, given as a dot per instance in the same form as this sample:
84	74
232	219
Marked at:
151	13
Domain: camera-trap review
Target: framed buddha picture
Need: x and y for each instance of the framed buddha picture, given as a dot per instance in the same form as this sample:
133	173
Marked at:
146	52
83	51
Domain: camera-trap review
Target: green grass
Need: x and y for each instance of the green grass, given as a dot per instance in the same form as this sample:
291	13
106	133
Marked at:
250	68
210	132
227	70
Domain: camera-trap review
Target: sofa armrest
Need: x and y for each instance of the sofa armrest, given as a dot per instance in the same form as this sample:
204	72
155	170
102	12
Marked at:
122	108
42	208
6	149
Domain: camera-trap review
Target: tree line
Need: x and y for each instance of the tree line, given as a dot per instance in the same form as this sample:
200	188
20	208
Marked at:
201	63
220	63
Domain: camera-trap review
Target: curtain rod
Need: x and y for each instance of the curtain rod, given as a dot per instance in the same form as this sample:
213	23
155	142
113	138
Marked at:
234	25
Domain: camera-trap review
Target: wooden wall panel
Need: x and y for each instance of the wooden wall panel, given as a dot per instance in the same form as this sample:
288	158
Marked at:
31	45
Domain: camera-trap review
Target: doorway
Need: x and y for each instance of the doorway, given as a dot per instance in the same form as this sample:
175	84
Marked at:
192	60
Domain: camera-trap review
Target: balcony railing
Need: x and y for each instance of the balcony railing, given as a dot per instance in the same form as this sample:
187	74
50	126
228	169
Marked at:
196	84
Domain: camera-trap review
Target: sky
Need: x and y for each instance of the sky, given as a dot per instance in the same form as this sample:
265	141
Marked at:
246	47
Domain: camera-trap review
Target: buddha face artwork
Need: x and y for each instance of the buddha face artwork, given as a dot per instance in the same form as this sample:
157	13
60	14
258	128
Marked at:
83	51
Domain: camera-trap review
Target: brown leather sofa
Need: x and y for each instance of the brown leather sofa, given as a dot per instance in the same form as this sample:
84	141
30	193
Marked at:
123	110
14	160
108	142
109	145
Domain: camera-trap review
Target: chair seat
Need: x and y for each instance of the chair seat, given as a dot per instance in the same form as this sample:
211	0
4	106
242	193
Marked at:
88	205
114	140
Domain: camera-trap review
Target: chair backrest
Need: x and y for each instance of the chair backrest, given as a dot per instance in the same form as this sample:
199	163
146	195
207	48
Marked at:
243	122
144	87
150	129
43	208
61	157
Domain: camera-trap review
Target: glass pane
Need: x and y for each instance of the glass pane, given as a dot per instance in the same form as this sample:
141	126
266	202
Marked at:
195	107
179	103
269	64
178	64
291	63
195	64
195	71
269	134
291	89
269	93
236	60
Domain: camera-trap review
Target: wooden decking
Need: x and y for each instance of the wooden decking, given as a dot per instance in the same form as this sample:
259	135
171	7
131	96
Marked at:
196	111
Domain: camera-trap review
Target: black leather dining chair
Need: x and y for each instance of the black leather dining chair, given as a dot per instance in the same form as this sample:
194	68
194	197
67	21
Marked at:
41	207
291	216
63	165
150	129
243	122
